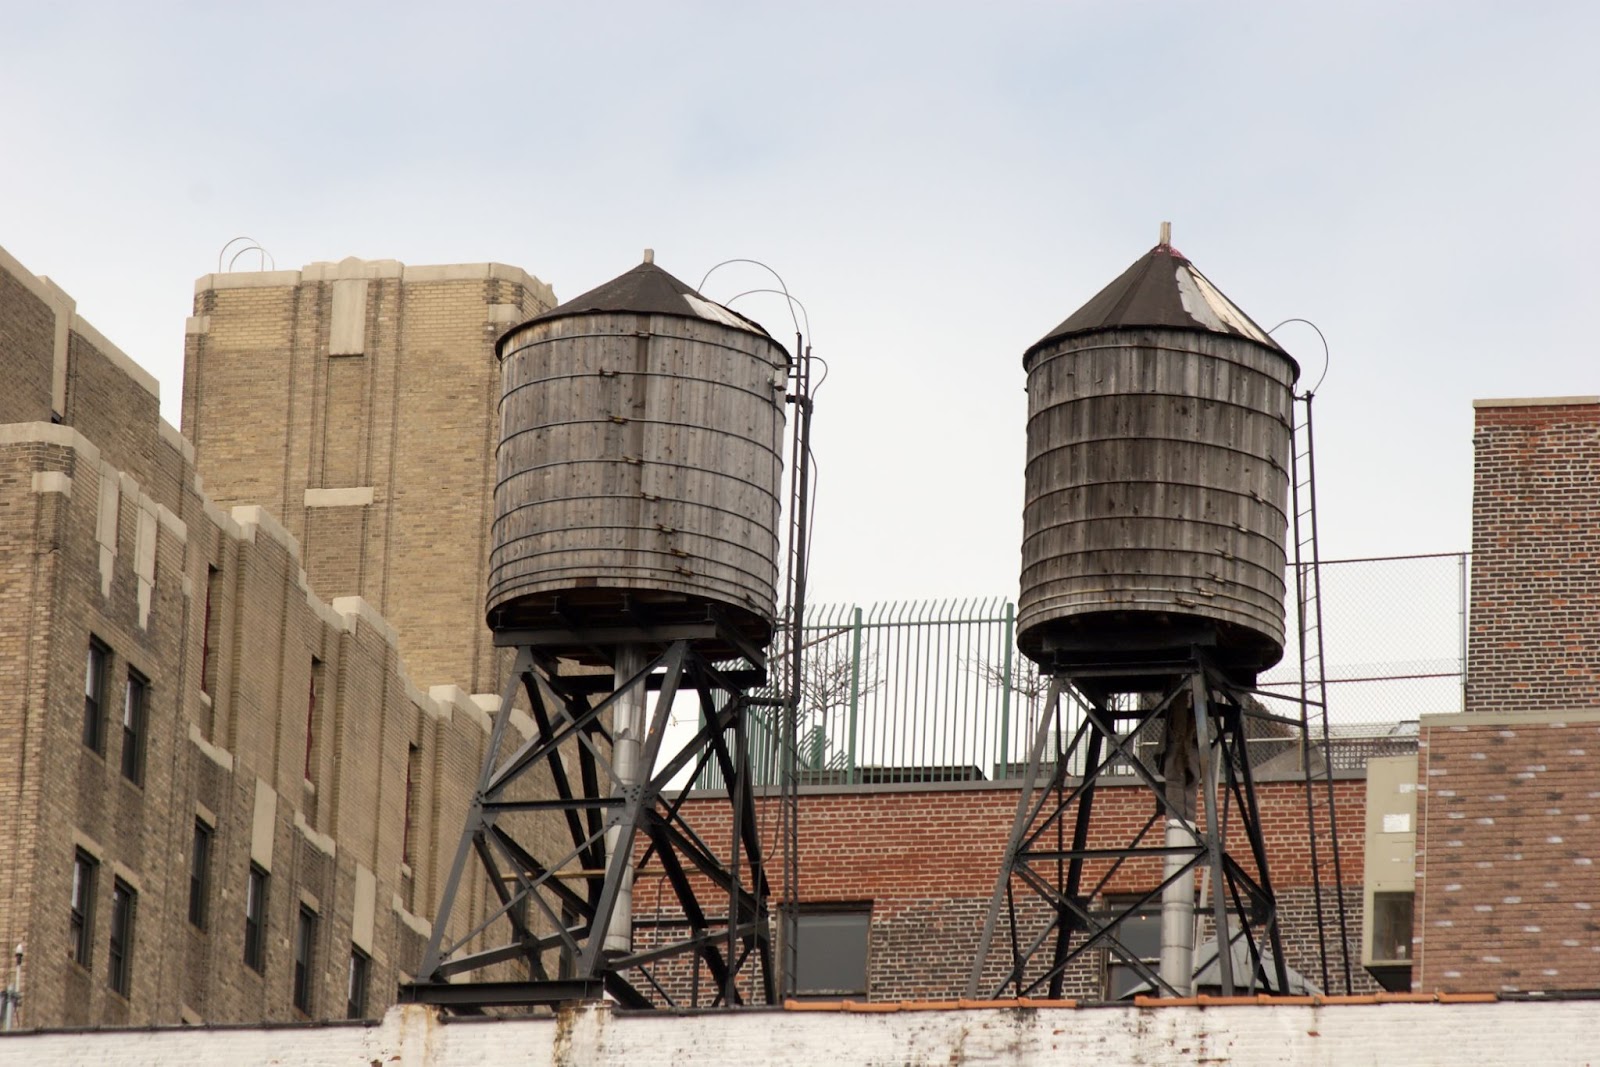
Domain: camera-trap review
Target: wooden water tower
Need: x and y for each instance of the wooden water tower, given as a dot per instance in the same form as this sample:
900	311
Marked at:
635	558
1153	560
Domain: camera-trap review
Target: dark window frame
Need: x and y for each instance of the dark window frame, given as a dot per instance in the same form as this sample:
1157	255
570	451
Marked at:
200	852
840	923
1120	976
124	910
85	879
357	981
305	957
312	707
255	918
135	726
408	830
96	668
1388	908
207	636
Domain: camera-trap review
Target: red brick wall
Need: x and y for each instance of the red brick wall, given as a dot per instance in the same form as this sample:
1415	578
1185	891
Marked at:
1535	615
1510	810
926	860
1506	876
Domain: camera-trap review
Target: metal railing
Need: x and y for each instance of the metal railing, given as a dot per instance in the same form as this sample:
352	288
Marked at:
936	691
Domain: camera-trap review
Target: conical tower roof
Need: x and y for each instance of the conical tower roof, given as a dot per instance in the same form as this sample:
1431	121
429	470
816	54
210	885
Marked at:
648	290
1162	288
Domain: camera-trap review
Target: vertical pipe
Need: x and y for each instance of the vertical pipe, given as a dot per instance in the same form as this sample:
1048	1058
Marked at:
626	749
1461	566
1005	691
855	695
1177	911
1213	843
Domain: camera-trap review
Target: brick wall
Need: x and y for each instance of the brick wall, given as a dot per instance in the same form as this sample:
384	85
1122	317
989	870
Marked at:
1535	604
105	534
373	376
925	859
1510	817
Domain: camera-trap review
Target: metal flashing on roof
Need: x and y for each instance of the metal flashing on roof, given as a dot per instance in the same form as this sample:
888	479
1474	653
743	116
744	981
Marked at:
1162	289
646	290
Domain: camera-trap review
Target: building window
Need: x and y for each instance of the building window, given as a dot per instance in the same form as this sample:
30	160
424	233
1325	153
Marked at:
199	874
305	943
124	902
255	920
1140	935
85	872
208	636
135	713
94	696
355	997
311	719
1391	926
831	951
413	765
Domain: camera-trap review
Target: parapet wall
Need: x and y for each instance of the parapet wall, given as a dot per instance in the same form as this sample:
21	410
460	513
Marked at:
1393	1032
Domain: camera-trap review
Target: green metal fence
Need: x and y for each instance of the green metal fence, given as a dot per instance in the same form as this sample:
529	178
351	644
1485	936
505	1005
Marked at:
925	691
936	691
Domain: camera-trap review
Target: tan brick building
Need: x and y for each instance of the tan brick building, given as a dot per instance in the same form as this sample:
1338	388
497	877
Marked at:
357	401
227	799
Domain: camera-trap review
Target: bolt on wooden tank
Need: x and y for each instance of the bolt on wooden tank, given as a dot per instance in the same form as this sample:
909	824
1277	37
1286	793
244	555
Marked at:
639	465
1157	485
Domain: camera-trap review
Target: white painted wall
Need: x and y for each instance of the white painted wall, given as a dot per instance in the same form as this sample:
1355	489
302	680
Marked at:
1549	1034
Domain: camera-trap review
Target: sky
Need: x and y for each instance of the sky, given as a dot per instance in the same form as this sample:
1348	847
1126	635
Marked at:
938	184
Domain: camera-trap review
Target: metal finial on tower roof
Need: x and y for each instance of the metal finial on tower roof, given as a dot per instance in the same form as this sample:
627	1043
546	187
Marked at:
1166	233
649	255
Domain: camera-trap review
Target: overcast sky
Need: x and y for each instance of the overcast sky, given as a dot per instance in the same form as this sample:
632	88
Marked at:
940	185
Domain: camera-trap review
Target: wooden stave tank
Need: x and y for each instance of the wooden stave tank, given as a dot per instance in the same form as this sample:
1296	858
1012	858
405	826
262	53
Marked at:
1124	451
639	470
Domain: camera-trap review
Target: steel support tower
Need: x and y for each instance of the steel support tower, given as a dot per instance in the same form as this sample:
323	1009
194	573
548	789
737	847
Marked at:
562	827
1179	729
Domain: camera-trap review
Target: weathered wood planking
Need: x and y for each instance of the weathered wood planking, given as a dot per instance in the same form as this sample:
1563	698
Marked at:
640	464
1157	495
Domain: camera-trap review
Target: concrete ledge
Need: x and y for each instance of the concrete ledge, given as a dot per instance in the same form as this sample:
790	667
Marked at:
1394	1031
117	356
221	757
52	482
321	842
339	498
353	267
488	705
196	324
354	607
170	521
49	433
1543	717
1537	402
415	922
248	279
180	444
253	517
219	518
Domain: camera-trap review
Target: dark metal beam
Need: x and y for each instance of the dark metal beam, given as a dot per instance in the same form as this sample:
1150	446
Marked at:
501	994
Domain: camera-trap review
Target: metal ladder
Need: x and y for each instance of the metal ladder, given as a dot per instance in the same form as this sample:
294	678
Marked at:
1316	752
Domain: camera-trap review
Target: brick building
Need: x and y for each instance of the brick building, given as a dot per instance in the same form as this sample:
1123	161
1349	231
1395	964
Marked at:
358	403
1510	824
250	713
227	798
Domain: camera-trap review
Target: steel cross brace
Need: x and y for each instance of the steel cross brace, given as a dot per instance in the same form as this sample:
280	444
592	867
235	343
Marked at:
1241	906
526	874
